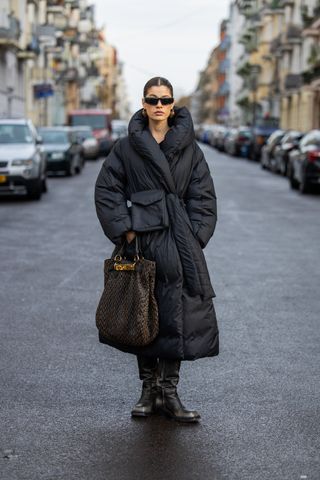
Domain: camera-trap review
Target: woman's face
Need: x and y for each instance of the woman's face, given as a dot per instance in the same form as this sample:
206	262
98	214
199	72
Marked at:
158	112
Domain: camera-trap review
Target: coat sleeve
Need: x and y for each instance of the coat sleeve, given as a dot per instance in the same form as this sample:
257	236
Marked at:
200	199
110	198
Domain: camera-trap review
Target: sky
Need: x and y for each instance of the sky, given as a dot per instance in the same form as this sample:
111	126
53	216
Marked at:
169	38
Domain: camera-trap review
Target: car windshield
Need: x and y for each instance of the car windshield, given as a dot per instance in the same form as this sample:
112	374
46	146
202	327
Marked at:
54	136
93	121
10	133
84	134
119	129
245	133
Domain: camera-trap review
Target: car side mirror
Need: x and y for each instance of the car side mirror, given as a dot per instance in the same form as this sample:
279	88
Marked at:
39	140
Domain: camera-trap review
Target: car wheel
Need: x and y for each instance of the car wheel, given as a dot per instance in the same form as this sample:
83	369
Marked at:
294	184
304	186
253	156
44	185
71	169
78	166
34	192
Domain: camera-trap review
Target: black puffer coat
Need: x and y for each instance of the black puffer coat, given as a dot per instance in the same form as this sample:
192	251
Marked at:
173	210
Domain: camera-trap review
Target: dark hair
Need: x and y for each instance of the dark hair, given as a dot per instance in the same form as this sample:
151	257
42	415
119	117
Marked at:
157	82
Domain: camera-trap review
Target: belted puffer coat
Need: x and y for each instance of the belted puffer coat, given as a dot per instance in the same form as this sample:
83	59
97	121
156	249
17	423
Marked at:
165	193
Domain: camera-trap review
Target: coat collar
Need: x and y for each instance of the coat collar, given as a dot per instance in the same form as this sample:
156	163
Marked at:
180	135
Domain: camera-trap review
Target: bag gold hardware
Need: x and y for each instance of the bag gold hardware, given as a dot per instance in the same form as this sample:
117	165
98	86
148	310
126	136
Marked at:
124	266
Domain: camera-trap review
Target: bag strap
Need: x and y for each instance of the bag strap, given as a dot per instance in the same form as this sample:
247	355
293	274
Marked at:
138	252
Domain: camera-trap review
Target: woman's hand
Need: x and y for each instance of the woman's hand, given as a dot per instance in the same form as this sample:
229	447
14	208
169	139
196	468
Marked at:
131	235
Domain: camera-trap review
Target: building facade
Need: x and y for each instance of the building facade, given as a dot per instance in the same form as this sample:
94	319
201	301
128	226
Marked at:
53	59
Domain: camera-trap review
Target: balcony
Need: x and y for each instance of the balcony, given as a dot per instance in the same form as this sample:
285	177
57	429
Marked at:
275	4
309	16
243	93
224	90
225	44
55	6
293	32
46	34
246	7
224	66
32	49
293	81
275	45
244	69
311	75
9	30
256	21
252	45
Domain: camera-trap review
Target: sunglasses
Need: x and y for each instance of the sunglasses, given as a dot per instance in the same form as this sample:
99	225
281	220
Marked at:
155	100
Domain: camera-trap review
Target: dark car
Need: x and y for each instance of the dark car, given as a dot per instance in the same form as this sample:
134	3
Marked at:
268	150
238	141
289	142
22	160
304	163
63	149
260	134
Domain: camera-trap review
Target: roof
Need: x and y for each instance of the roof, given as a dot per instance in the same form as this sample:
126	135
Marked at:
61	128
14	121
80	127
91	111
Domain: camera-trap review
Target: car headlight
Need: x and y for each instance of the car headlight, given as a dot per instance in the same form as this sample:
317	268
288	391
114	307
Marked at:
22	163
57	156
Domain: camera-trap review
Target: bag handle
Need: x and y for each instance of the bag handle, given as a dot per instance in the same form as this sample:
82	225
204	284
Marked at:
138	254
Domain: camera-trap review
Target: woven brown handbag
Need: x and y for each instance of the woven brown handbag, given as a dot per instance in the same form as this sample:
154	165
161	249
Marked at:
127	312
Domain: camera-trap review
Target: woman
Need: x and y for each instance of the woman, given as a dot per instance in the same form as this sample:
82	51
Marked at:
161	169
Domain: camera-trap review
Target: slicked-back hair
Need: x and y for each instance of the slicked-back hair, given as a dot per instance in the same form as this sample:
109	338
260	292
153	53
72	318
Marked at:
157	82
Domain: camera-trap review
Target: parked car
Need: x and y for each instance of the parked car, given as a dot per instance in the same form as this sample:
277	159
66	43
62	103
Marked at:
22	161
228	140
238	141
267	159
90	145
304	163
198	129
220	138
289	142
100	122
215	134
260	134
63	149
119	129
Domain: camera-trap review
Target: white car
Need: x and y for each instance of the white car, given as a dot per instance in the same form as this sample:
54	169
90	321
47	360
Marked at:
90	145
22	160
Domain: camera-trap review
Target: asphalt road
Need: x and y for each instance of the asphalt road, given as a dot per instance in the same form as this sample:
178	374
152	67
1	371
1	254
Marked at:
66	399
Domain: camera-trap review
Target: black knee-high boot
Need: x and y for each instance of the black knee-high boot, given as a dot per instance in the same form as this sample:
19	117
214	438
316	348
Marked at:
148	371
169	402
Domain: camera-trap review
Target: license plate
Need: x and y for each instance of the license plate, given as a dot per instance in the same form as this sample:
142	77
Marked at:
3	178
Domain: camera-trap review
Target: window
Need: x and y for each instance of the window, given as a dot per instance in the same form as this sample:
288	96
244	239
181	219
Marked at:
10	133
54	136
93	121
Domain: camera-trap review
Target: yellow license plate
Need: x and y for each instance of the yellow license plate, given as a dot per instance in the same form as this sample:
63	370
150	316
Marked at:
3	178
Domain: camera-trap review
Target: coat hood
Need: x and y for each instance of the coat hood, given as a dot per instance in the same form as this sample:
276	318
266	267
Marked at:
180	135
